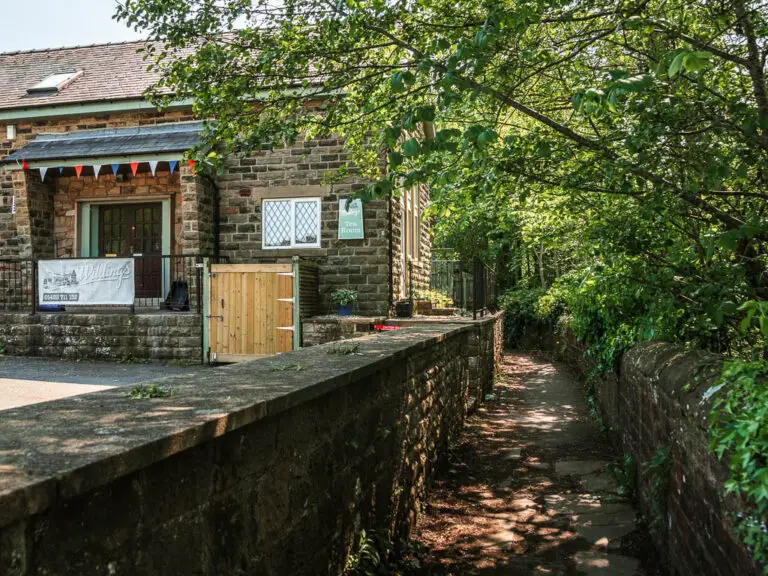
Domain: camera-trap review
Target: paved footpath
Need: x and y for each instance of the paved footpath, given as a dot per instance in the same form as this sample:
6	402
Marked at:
25	380
528	490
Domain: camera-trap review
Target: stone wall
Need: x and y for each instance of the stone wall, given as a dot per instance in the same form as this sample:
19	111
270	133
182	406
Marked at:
653	402
245	470
103	336
301	170
318	330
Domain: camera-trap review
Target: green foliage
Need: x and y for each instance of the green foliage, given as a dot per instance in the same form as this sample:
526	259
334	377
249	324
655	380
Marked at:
439	299
144	391
609	154
625	474
378	555
344	349
344	296
655	476
739	433
521	313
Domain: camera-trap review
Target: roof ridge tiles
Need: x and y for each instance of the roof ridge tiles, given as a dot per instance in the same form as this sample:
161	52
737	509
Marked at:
76	47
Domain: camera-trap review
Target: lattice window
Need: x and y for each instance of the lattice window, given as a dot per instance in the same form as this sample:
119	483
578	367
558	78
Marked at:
307	222
291	223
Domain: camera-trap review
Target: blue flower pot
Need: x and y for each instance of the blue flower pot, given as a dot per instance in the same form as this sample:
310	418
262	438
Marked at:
345	309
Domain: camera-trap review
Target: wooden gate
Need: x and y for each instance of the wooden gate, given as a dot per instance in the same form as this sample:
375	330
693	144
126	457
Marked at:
251	311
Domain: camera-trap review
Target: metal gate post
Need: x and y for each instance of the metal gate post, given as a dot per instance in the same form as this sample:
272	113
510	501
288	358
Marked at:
296	304
206	342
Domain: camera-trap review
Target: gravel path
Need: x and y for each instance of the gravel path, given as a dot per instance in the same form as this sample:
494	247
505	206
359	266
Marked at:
528	491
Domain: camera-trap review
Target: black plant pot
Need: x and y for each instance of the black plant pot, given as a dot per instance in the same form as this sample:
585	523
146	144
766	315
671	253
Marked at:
404	309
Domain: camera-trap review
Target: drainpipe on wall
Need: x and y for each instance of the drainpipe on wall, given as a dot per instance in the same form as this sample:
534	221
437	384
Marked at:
216	217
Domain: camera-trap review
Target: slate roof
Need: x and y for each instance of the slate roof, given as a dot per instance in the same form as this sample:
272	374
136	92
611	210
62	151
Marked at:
158	139
110	72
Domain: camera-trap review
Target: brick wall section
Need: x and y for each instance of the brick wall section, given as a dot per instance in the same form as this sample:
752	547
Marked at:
647	408
103	336
263	473
34	215
197	198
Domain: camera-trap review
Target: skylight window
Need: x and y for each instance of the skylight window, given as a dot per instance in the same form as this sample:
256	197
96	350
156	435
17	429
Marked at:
54	82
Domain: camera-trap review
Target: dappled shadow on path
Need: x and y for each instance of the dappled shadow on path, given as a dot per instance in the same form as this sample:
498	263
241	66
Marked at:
507	503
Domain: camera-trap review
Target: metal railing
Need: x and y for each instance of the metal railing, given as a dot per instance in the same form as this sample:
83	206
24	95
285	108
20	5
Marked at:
162	282
470	284
18	279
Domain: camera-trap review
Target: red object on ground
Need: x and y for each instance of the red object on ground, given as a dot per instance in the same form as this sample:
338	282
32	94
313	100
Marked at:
384	328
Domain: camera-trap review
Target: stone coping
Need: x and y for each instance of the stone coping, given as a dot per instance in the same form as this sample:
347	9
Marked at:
422	320
336	319
55	451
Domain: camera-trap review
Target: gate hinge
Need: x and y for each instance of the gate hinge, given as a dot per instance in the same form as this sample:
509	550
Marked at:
215	316
212	274
291	300
285	328
285	274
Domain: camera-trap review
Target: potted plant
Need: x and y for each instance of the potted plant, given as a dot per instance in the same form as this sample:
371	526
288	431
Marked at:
345	299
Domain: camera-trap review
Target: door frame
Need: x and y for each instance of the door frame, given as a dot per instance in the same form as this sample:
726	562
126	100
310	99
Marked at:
87	229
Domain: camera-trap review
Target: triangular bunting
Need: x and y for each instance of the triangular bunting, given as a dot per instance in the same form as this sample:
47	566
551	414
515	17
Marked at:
115	168
61	170
153	167
192	165
96	170
42	173
24	164
134	167
78	170
172	165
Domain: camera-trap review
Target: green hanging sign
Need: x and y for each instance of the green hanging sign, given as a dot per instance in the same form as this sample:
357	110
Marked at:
351	220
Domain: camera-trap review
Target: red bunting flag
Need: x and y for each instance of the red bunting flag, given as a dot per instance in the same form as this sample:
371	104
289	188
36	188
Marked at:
192	164
24	164
78	170
134	167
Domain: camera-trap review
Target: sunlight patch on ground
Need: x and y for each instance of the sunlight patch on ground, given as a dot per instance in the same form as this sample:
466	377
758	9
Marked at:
16	393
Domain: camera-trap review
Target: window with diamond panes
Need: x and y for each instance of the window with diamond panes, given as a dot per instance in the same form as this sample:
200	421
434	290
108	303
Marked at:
277	224
291	223
307	222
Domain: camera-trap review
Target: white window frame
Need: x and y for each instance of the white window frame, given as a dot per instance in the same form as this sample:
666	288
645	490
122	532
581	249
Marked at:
293	245
411	232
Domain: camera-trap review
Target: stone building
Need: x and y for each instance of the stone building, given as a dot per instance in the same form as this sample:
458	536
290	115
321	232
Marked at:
89	168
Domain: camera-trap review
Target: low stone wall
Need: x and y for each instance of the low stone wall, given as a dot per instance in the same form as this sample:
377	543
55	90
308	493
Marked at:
270	467
648	408
318	330
111	336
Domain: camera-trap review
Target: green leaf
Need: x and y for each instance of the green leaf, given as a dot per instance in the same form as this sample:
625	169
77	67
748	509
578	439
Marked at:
411	147
677	64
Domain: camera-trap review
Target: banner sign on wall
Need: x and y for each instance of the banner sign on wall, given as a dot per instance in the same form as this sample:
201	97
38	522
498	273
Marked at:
96	281
351	220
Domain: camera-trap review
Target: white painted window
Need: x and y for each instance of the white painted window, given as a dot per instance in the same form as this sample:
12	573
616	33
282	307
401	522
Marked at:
290	223
411	224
